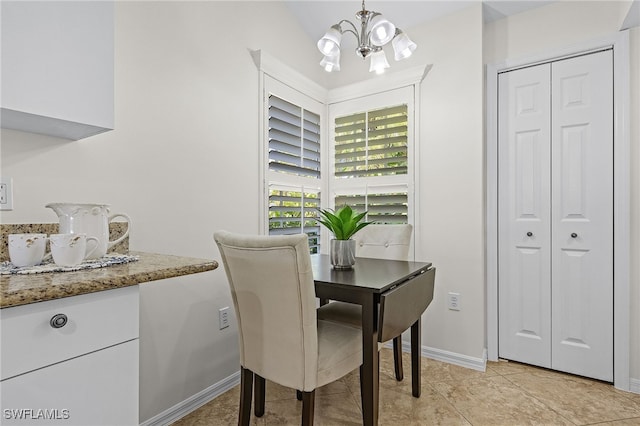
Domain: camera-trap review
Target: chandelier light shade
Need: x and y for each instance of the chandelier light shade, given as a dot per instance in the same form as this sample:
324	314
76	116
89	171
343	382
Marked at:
375	32
331	63
379	62
382	31
329	44
403	47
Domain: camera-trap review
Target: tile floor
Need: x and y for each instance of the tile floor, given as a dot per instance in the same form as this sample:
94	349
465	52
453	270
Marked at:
508	393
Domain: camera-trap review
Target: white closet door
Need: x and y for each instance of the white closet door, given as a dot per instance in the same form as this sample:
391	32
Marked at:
524	286
582	215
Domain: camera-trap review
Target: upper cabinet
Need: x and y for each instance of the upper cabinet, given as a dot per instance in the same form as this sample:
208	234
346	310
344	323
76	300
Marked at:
57	67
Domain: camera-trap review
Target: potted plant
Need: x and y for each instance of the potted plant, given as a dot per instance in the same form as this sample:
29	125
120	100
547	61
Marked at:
343	223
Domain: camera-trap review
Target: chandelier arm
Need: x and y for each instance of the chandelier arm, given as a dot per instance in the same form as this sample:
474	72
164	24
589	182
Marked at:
353	30
365	26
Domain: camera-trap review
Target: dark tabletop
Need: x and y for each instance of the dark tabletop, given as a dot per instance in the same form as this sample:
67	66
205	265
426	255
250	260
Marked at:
376	275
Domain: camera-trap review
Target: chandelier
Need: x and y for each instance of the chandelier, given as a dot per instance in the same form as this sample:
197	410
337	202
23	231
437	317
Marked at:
375	31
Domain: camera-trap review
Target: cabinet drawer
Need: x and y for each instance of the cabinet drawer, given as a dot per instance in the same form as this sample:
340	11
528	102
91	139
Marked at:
94	321
98	389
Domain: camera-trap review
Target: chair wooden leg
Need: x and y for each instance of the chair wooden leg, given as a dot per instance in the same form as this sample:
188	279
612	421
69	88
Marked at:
299	395
308	402
259	396
246	385
397	357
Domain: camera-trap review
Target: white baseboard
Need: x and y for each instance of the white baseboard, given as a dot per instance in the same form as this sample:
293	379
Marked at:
194	402
634	385
479	364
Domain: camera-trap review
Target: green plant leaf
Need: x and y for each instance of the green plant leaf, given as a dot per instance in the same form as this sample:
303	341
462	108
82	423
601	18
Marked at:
344	222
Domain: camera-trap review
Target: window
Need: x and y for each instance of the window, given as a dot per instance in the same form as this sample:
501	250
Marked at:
293	157
371	155
371	143
294	139
294	212
318	154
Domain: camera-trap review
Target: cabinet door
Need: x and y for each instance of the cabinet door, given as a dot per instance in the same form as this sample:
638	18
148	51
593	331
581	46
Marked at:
100	388
524	216
582	199
57	67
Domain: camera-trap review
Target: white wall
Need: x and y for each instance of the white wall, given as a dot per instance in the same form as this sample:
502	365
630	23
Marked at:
182	162
561	25
451	170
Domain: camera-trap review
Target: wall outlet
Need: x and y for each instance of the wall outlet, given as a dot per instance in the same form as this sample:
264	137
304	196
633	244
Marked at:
6	193
223	317
453	301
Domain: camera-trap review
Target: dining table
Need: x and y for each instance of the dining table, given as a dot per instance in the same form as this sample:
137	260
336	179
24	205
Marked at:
364	284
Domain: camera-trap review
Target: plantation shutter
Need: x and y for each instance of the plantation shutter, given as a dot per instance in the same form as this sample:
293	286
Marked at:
295	212
294	139
372	143
383	208
293	143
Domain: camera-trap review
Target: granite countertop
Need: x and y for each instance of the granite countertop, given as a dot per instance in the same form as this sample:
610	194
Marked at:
16	290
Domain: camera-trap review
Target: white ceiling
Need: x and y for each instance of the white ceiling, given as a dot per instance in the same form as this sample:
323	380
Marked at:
317	16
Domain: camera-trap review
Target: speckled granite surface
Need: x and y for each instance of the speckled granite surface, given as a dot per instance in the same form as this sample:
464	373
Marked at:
116	229
18	290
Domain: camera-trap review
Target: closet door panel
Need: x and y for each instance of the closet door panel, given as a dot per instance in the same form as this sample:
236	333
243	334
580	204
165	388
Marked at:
524	215
582	215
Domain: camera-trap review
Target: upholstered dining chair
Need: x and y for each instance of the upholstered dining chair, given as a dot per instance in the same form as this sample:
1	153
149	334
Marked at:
380	242
280	337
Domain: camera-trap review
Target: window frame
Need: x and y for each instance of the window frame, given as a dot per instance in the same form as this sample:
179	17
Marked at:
271	69
269	178
373	184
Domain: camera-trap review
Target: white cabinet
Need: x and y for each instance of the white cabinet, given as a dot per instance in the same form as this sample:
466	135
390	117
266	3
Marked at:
82	373
58	67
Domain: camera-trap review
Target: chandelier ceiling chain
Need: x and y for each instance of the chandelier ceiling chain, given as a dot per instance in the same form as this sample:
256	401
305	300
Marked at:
375	32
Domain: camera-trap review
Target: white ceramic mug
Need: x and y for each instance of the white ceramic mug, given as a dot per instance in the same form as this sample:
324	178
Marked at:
71	249
27	249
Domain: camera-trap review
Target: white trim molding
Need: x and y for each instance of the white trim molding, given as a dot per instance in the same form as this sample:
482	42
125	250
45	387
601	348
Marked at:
473	363
410	77
194	402
268	64
622	194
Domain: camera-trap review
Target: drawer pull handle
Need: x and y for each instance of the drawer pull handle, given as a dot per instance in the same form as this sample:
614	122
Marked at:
58	320
529	234
574	235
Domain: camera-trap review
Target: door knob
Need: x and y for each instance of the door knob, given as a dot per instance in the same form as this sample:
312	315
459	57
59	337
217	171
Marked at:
529	234
574	235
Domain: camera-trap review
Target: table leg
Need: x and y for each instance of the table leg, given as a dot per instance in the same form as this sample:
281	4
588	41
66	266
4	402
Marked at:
415	358
370	373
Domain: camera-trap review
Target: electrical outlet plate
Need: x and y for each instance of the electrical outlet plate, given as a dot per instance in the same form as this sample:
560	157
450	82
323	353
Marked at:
6	193
453	301
223	317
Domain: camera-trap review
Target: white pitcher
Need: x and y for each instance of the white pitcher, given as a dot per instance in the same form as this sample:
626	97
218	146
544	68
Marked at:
90	219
